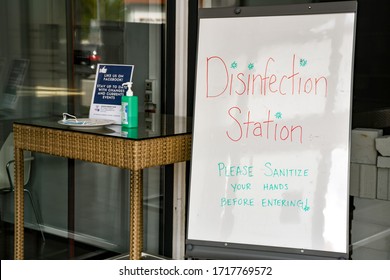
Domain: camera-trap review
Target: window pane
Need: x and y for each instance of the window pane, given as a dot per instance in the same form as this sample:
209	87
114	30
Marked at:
49	51
33	83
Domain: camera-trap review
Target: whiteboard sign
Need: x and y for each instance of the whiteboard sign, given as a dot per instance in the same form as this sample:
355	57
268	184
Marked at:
270	159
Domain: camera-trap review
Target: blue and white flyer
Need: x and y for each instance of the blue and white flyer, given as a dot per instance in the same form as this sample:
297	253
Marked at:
110	86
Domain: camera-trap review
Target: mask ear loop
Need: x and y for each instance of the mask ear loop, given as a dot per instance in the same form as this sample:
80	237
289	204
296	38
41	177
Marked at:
65	115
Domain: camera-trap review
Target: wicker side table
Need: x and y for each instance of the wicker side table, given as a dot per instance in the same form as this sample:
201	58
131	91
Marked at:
132	154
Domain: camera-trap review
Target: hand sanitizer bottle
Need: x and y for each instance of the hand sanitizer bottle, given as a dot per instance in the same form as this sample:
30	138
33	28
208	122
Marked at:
129	110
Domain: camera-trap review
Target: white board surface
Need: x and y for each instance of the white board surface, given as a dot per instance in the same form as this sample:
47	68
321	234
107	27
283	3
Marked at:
270	159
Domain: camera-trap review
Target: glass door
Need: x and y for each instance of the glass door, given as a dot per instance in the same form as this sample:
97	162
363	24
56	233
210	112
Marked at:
49	51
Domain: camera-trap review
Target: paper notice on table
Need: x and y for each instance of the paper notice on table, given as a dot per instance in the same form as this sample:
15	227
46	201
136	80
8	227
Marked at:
108	91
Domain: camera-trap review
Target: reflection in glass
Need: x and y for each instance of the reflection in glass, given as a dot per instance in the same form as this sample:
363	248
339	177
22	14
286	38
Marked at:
49	51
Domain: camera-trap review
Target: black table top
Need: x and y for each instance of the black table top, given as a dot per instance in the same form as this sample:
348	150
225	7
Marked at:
149	126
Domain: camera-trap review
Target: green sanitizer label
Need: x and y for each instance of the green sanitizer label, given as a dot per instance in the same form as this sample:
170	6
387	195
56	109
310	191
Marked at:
124	112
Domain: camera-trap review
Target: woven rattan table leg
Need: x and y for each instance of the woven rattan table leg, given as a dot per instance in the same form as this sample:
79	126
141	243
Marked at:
136	216
19	205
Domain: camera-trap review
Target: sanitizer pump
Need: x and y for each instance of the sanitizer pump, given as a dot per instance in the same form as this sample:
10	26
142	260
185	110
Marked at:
129	110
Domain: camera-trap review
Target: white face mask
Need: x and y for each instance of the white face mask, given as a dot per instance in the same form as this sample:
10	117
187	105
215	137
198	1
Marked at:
73	119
